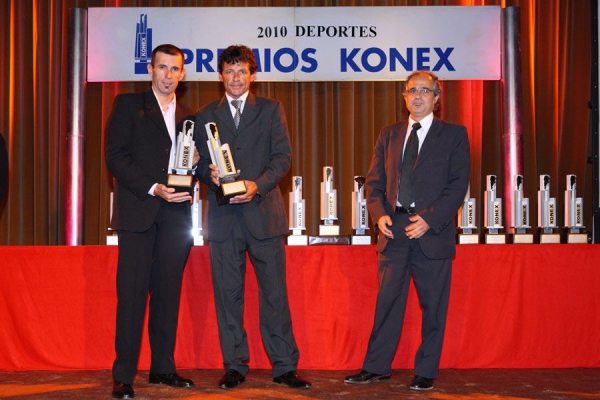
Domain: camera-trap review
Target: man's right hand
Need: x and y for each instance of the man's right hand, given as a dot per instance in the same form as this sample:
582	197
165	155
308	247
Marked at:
170	195
383	223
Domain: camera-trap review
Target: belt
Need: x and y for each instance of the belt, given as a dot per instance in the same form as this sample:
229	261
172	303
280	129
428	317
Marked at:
404	210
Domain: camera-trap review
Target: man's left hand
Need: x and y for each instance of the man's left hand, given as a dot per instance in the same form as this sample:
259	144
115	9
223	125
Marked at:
417	228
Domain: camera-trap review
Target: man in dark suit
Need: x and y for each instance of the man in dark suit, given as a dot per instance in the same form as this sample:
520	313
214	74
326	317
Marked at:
153	221
252	223
414	190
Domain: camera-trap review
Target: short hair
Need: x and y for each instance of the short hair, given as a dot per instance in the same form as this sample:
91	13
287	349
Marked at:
437	85
238	54
169	49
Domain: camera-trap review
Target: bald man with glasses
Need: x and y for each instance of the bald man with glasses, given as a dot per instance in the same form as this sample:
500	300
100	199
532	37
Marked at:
417	180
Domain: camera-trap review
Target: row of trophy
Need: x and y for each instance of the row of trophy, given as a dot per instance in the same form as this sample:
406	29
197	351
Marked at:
522	230
329	231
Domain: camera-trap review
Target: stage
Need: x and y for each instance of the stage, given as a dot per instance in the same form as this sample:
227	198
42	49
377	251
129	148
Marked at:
511	306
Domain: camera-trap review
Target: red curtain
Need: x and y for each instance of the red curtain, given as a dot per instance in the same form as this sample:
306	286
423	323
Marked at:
556	64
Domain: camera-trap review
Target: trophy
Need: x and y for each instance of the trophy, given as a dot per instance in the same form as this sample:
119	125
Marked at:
221	157
466	218
297	214
520	214
493	213
182	175
197	217
574	213
328	205
547	212
360	215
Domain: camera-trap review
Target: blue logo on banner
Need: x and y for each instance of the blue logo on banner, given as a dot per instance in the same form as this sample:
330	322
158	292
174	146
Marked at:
143	45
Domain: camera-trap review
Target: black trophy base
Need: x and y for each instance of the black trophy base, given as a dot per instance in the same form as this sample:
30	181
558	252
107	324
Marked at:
340	239
181	183
228	190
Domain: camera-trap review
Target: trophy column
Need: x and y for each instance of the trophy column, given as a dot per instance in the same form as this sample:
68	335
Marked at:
328	205
493	213
547	213
297	214
520	214
197	216
182	175
360	215
574	213
466	221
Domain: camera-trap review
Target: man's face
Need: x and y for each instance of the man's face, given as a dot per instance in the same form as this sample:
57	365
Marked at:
236	78
420	104
166	73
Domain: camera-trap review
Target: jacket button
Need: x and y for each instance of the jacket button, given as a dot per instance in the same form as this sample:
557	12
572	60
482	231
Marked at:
164	170
167	151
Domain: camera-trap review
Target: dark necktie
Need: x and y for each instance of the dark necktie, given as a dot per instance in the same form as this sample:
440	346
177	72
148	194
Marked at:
238	112
405	186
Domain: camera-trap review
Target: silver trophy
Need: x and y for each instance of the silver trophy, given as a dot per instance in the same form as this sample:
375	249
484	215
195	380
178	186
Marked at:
547	212
520	213
220	155
297	215
467	220
182	175
493	213
328	205
360	215
197	217
574	213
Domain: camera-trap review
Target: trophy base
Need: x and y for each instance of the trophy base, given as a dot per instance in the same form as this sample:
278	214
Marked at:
312	240
112	239
360	239
495	238
468	238
577	238
227	190
297	240
198	241
522	238
181	183
329	230
549	238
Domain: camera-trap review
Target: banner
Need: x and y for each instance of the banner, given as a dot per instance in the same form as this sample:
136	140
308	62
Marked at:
302	43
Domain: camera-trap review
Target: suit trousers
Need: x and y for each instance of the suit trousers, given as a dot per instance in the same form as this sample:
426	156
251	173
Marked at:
401	259
151	262
228	263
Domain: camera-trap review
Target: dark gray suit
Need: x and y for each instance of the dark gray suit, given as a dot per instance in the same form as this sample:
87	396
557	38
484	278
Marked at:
441	178
261	150
154	235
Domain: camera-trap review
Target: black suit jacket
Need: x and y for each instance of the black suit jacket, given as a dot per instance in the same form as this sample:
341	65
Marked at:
261	150
441	177
137	155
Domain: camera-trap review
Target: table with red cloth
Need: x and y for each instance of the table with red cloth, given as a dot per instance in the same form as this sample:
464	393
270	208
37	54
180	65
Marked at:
511	306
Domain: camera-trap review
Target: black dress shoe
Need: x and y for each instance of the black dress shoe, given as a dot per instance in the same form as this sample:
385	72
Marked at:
122	390
231	379
421	383
171	379
292	380
366	377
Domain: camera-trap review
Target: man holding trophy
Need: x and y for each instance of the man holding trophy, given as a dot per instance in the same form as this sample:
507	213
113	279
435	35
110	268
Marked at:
417	180
152	219
243	138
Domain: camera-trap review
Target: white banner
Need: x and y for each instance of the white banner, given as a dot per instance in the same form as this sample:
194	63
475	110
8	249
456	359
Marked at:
302	43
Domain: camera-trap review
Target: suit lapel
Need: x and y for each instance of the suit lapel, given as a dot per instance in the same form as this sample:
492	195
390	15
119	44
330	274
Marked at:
398	144
225	123
250	112
432	140
154	113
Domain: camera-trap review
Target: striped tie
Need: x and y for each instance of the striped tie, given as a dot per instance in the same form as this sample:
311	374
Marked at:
238	112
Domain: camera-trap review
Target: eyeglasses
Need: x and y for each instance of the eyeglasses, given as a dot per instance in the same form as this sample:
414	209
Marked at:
423	91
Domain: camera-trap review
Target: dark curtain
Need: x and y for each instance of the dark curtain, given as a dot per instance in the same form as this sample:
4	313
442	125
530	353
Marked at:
331	123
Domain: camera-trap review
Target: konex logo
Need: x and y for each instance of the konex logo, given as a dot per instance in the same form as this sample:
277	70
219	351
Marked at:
143	45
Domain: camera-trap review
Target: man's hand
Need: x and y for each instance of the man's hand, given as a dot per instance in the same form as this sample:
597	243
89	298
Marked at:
196	157
251	190
170	195
383	224
214	174
417	228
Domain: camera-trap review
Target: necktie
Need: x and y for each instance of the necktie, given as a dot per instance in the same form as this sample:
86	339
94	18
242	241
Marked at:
405	186
238	112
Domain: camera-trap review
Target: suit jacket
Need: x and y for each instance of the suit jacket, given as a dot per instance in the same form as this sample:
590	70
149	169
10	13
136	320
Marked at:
261	149
441	179
138	147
